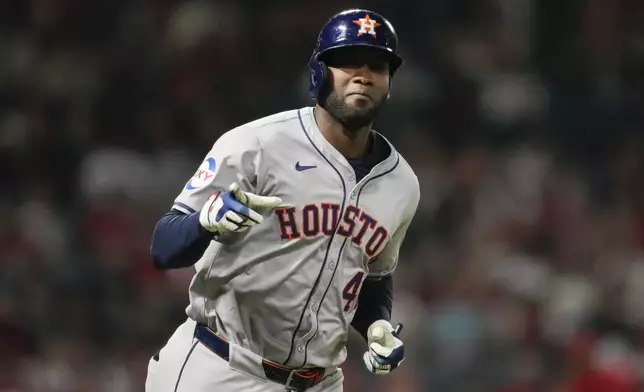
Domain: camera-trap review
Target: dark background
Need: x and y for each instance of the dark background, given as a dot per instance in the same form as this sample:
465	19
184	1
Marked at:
523	270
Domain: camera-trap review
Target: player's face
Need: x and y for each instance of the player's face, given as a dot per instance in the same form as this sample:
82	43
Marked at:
360	81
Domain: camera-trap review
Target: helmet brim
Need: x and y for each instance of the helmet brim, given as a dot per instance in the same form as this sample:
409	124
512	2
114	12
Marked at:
395	61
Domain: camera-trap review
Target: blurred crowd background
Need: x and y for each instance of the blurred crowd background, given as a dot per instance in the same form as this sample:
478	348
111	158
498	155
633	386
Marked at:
524	268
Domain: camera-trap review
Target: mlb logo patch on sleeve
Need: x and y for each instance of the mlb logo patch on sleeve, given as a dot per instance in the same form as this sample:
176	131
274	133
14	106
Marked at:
203	176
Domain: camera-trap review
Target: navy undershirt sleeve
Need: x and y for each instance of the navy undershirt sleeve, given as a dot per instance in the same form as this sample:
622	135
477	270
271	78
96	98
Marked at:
178	240
374	303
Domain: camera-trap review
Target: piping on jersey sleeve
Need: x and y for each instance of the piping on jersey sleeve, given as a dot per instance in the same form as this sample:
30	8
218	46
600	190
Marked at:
384	263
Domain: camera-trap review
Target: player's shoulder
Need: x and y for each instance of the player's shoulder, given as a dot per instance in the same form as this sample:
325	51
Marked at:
406	177
266	127
409	175
404	171
411	185
273	121
253	135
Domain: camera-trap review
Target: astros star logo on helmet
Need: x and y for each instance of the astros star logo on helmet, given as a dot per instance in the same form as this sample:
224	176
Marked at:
367	25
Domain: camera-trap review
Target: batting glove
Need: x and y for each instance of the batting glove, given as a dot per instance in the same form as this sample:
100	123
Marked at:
386	351
233	211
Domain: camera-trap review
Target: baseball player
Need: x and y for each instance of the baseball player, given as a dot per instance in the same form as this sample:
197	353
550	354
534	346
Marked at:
294	224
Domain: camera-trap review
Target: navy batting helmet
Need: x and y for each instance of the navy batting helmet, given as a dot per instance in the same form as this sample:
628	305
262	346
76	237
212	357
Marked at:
355	27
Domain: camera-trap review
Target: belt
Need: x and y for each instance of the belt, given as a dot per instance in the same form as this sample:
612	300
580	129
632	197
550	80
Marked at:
293	379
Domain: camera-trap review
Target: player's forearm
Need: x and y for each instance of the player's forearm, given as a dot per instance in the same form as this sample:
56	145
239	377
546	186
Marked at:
178	240
374	303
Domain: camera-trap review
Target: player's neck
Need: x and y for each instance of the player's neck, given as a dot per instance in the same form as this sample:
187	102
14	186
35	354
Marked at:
350	143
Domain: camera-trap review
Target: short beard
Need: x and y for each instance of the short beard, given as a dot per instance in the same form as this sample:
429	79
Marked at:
352	119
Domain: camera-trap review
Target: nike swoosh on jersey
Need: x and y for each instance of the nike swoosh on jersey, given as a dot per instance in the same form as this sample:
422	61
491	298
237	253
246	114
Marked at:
299	167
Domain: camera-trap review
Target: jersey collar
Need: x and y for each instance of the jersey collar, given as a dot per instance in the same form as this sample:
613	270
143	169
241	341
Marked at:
311	128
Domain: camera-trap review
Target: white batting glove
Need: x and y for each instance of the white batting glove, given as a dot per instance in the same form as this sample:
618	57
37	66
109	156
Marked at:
386	351
233	210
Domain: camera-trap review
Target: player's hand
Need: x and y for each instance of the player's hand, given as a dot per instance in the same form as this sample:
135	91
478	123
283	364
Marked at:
234	210
386	351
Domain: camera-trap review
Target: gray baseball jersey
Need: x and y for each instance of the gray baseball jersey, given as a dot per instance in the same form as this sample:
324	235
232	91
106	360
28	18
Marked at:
287	289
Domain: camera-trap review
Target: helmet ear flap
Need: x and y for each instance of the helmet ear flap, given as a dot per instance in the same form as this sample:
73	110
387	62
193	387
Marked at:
318	75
